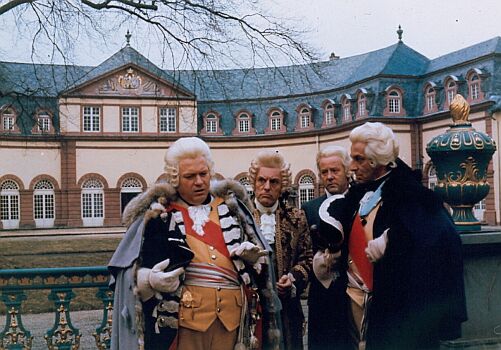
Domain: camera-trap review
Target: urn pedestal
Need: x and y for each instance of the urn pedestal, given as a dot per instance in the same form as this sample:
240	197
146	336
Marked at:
461	156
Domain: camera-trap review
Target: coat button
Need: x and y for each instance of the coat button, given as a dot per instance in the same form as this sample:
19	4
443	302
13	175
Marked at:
213	257
218	310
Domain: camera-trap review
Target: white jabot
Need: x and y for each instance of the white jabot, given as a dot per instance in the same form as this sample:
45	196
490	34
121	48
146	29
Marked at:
268	221
200	215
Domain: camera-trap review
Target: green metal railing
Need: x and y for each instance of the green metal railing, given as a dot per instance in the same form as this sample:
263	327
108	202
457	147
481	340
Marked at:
61	282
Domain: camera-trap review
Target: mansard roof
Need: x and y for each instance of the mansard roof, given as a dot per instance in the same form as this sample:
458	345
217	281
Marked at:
491	46
262	83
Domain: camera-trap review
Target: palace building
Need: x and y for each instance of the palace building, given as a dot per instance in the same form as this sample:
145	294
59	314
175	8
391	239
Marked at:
78	142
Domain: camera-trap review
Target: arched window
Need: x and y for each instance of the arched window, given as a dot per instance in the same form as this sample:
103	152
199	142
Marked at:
329	116
243	123
306	189
304	115
8	121
129	188
276	121
451	89
346	109
247	185
394	102
430	98
9	202
362	105
43	204
92	203
474	83
211	122
43	123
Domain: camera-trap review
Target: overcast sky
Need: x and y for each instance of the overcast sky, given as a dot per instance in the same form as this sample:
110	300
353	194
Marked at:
345	27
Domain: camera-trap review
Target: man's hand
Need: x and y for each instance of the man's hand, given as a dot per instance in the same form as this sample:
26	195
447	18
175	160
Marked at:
166	282
376	247
284	285
248	252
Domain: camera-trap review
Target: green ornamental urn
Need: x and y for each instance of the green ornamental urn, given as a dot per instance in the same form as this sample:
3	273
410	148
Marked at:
461	156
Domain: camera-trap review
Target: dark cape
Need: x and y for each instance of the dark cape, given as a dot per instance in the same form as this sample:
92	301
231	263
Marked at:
418	295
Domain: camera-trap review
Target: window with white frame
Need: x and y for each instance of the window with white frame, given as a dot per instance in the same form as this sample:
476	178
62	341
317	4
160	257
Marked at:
92	203
243	123
306	189
430	99
167	120
43	204
451	91
304	115
91	119
129	188
275	121
474	87
394	102
247	185
361	106
478	210
432	178
43	122
9	204
8	120
130	119
329	114
211	124
346	112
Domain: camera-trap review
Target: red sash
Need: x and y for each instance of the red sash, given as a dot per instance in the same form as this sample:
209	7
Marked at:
356	246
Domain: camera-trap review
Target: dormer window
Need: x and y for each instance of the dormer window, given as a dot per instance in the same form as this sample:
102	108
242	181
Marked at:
474	78
362	105
276	120
8	117
394	105
346	107
329	114
451	89
211	124
474	87
244	123
430	99
43	123
304	117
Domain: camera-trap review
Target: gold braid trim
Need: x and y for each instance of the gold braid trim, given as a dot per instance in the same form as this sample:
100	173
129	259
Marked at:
302	270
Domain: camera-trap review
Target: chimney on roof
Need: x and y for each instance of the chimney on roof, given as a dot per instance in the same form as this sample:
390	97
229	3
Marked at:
333	57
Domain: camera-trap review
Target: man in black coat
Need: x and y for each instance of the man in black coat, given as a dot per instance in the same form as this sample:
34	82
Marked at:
329	316
404	245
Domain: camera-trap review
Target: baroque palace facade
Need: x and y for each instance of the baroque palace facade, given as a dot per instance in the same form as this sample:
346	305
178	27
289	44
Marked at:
77	142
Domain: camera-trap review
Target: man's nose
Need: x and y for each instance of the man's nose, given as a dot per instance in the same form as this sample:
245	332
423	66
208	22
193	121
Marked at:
267	185
198	180
353	166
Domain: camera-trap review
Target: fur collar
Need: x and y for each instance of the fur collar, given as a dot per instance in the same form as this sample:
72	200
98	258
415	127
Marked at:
165	193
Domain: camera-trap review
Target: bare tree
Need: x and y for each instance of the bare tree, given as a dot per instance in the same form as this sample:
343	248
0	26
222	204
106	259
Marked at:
200	34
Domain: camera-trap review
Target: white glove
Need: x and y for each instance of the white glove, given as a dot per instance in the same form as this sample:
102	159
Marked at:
248	252
376	247
166	282
143	284
323	262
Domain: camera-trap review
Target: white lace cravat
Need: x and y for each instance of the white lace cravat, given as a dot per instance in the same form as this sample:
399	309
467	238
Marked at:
200	215
268	221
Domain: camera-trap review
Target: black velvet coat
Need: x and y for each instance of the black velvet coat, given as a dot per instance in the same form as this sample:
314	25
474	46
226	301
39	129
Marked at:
329	313
418	292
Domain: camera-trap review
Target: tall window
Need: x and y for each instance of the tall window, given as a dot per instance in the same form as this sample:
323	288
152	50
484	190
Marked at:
91	119
306	189
474	87
129	188
243	123
478	210
247	185
451	91
9	204
394	102
8	120
362	108
346	110
167	120
43	204
211	124
130	119
276	121
329	114
304	115
92	203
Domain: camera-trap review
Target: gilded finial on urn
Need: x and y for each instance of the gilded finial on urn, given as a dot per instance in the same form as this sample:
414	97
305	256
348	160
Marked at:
460	110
